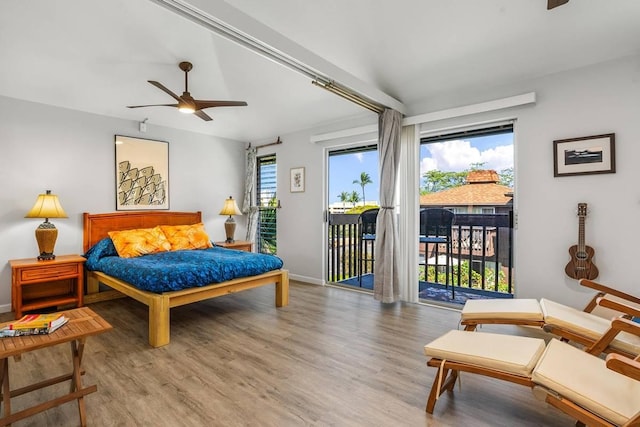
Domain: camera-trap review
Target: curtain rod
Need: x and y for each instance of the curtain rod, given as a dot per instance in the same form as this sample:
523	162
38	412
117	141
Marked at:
342	92
276	142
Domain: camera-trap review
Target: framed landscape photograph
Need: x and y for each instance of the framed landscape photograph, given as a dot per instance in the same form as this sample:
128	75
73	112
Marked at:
585	155
142	174
297	180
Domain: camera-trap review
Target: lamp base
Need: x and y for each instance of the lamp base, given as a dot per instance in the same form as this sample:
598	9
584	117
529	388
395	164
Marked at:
46	238
230	229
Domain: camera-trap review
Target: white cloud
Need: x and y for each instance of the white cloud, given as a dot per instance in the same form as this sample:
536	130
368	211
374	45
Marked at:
427	164
459	155
359	156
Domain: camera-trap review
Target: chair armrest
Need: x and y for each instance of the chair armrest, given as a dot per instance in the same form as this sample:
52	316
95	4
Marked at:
618	324
607	290
624	365
618	306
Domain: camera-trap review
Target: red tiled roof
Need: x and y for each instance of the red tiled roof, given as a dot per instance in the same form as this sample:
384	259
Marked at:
481	190
482	176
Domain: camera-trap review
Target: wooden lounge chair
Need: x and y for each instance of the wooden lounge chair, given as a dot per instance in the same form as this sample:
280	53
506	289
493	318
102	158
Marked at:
594	391
568	323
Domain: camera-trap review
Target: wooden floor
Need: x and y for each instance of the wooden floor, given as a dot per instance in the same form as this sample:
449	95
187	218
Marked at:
333	357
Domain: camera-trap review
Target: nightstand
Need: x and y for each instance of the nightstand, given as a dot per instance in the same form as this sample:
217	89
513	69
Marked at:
46	284
241	245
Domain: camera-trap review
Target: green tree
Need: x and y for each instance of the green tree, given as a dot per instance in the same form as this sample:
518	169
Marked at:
365	179
354	198
344	197
506	177
435	180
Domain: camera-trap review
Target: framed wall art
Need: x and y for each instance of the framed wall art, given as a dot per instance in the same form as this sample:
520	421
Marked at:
297	180
585	155
142	174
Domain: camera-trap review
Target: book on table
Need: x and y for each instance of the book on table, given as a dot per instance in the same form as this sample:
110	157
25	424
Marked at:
34	324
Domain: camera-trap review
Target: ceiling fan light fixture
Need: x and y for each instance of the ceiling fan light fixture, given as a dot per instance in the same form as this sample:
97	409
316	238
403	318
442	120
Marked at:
186	103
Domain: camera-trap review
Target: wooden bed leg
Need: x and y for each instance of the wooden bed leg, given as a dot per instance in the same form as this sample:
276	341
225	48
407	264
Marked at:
92	283
159	321
282	290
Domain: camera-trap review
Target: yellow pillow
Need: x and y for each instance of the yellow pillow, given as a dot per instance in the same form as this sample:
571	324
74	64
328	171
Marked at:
141	241
182	237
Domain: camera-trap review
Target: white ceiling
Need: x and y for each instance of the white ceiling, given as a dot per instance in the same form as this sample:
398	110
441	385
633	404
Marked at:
96	56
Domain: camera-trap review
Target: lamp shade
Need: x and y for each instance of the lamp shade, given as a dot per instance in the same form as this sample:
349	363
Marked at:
47	206
230	207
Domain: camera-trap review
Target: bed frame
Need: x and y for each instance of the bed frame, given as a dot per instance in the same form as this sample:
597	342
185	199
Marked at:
97	226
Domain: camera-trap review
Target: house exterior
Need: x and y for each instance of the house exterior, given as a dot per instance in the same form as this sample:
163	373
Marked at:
481	193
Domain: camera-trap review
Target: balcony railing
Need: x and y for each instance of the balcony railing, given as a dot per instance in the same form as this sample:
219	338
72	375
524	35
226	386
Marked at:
480	258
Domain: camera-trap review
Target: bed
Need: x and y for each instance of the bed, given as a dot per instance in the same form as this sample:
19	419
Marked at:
97	226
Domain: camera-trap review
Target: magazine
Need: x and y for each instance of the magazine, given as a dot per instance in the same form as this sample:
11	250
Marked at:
33	324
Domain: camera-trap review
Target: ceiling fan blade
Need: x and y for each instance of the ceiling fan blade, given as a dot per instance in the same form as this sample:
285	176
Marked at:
555	3
202	115
201	104
164	89
152	105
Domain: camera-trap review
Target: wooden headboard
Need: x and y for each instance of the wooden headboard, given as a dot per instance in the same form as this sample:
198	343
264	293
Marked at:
97	226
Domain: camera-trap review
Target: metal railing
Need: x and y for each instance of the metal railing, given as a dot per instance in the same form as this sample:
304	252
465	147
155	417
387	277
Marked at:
481	254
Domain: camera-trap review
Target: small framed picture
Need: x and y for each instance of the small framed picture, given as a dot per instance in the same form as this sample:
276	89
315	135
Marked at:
297	180
585	155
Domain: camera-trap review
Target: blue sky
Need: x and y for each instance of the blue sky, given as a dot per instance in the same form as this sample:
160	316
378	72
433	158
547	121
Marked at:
496	152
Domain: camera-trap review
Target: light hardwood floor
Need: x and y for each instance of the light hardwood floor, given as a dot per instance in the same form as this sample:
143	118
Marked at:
331	358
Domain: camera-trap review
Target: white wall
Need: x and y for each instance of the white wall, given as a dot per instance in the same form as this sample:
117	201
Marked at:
73	154
599	99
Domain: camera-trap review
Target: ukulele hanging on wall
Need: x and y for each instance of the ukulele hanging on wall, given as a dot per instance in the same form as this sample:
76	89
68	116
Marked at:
581	265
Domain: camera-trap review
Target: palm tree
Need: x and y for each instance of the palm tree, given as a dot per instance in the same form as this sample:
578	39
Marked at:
354	198
344	197
364	180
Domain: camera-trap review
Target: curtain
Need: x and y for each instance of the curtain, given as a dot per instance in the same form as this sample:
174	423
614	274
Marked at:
248	206
408	221
386	282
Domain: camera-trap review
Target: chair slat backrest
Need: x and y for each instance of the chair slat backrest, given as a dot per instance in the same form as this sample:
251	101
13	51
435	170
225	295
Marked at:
436	222
367	222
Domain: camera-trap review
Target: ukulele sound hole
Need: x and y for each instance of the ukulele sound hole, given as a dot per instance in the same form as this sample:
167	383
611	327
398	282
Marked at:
581	256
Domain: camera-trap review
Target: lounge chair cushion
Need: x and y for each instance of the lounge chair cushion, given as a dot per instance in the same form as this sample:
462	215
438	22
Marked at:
586	324
506	353
585	380
518	309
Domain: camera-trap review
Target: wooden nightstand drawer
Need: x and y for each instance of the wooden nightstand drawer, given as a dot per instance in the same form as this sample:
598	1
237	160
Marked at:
51	272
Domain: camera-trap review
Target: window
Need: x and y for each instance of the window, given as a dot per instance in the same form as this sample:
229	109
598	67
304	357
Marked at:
267	203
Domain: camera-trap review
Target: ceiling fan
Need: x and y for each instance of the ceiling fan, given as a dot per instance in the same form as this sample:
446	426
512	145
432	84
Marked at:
555	3
186	103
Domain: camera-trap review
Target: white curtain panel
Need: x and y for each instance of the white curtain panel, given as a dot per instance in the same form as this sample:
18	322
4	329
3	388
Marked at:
386	282
408	221
247	205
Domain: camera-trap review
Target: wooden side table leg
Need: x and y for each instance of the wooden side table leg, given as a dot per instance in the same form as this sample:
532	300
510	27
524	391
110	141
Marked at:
6	390
77	348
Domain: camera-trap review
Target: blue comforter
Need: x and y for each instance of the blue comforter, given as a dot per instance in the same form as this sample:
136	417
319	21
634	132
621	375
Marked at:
172	271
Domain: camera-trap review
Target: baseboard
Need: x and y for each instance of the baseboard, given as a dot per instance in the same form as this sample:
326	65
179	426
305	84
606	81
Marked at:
5	308
306	279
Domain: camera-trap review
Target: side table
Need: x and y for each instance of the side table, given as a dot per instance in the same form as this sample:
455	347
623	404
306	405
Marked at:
44	284
83	323
240	245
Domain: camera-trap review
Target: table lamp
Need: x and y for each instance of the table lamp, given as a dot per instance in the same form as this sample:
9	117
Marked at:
47	206
230	208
